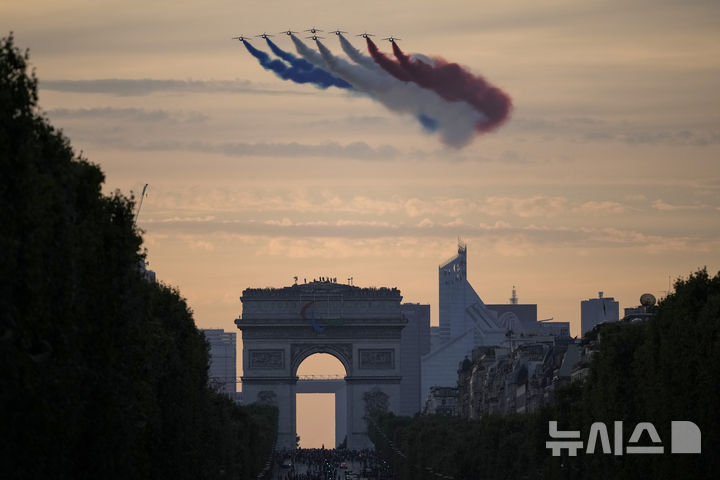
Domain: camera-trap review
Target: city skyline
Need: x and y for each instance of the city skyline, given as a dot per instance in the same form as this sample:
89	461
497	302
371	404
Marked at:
603	179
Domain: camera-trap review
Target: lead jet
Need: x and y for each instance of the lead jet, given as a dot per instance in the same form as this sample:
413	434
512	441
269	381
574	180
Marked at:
365	35
392	39
313	30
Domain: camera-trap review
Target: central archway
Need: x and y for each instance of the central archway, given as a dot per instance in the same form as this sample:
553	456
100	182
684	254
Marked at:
361	327
337	352
321	401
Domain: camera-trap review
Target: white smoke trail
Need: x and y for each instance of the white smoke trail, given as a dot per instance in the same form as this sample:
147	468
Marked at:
356	56
372	81
456	121
308	53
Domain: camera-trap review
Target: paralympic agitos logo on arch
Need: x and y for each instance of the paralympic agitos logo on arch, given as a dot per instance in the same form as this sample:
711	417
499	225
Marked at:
312	311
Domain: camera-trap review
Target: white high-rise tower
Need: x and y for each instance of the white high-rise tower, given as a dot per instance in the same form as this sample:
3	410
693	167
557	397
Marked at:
465	322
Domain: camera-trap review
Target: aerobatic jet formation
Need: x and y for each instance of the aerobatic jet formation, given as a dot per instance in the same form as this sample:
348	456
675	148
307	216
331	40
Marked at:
444	97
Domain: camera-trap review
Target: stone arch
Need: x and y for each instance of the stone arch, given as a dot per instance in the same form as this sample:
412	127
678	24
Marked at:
361	329
341	351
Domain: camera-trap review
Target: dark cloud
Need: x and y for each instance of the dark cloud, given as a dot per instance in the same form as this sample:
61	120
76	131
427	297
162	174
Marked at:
126	114
353	150
353	121
125	87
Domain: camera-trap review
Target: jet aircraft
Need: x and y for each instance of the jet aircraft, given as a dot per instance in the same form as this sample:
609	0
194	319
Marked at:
365	35
288	32
314	37
264	35
240	38
338	32
313	30
392	39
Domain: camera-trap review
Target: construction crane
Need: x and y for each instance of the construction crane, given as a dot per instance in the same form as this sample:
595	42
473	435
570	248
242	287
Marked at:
142	197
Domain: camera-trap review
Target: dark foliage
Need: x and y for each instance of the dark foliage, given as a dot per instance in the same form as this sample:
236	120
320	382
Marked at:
664	369
102	373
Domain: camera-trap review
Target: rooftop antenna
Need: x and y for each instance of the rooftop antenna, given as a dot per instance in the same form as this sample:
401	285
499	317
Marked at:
142	197
668	291
462	246
514	298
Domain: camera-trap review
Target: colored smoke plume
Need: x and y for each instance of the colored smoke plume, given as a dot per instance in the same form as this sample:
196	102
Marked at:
451	82
300	63
443	97
316	76
390	66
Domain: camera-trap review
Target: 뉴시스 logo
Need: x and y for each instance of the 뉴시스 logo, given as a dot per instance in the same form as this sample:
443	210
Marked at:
685	437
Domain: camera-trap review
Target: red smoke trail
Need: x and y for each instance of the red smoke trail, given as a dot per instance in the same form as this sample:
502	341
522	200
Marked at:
451	82
389	65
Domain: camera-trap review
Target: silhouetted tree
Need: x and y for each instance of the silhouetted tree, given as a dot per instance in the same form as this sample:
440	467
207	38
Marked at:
666	368
102	373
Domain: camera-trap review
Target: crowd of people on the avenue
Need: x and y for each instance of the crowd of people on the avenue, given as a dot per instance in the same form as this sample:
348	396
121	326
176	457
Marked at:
328	464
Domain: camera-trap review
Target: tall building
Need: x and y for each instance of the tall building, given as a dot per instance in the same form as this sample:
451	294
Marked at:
223	369
414	343
598	310
466	322
462	313
521	319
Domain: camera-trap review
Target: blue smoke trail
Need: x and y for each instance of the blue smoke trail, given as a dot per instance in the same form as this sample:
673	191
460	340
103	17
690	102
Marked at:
316	76
300	63
428	123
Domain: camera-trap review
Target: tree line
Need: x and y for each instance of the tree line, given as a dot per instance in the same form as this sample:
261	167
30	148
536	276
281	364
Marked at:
662	370
103	374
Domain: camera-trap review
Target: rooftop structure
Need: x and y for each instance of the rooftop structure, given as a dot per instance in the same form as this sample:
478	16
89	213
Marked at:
645	310
598	310
466	322
223	370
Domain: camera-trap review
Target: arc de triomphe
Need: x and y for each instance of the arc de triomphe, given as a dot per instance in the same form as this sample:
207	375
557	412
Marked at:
361	327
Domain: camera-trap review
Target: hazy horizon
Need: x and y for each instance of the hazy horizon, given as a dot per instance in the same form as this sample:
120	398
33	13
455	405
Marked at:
605	177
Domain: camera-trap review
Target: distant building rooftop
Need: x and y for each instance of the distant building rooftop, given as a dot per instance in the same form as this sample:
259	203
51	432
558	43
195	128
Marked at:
320	287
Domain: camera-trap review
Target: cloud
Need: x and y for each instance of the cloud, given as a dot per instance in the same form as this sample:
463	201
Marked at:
425	222
550	126
666	207
126	114
599	208
436	209
208	218
201	245
535	206
126	87
353	150
363	241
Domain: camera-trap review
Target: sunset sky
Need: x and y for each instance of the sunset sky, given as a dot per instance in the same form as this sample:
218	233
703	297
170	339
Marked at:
606	176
